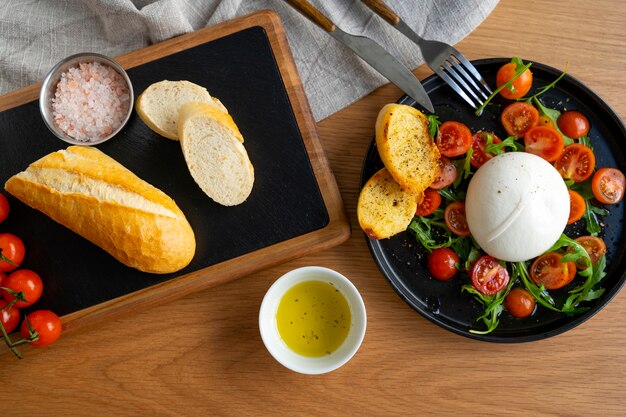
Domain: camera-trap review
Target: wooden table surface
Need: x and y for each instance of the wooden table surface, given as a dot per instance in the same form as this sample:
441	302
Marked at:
202	355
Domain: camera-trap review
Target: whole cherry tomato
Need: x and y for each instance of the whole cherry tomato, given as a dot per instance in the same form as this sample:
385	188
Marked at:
573	124
26	282
519	303
9	318
442	263
4	207
13	249
521	85
45	323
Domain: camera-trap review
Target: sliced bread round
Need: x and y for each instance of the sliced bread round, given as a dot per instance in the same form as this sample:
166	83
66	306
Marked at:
215	156
158	105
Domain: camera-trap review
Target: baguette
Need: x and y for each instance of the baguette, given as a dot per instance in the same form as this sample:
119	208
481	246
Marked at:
406	147
96	197
213	149
158	105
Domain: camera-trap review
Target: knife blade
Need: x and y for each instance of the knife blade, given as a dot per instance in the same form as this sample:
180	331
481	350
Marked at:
371	52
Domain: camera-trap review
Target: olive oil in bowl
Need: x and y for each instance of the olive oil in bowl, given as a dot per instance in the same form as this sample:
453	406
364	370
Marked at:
313	318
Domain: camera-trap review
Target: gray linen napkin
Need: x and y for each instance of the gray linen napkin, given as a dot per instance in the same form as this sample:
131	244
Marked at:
35	35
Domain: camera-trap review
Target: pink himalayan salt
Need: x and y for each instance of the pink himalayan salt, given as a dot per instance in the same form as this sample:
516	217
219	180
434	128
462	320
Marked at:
91	101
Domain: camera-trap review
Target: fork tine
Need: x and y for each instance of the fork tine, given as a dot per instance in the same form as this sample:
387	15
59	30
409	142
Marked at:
468	65
451	70
457	66
454	86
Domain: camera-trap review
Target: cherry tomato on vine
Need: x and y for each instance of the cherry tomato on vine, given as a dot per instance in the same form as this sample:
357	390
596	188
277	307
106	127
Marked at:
594	246
445	175
551	272
607	185
3	276
519	303
521	85
430	203
518	117
9	318
454	215
544	142
12	248
45	323
25	281
4	208
573	124
479	142
577	207
453	139
489	276
576	163
442	263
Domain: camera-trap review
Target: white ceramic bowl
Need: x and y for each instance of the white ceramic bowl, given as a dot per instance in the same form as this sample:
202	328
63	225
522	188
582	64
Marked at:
277	347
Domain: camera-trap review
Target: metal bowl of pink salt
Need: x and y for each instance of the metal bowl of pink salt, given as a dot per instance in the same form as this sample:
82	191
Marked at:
86	99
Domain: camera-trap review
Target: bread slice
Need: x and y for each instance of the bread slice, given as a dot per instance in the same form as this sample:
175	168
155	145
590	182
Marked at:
384	208
158	105
215	156
406	147
93	195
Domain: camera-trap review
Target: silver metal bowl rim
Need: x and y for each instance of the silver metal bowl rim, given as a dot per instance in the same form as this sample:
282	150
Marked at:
54	75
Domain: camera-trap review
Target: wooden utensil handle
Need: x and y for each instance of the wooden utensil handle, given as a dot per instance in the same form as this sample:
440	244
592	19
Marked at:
380	8
314	15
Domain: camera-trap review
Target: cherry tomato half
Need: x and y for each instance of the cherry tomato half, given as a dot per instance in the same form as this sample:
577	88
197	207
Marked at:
518	117
44	322
519	303
430	203
521	85
446	174
12	248
551	272
545	121
453	139
479	142
544	142
577	207
9	318
25	281
577	162
489	276
608	185
573	124
4	208
454	215
594	246
442	263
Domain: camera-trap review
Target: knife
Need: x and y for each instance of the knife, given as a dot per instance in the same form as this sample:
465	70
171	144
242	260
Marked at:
371	52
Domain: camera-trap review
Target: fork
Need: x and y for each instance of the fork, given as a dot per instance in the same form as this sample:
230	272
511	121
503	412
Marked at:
456	70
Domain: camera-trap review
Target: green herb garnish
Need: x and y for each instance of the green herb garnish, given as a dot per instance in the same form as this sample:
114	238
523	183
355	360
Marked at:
433	123
519	70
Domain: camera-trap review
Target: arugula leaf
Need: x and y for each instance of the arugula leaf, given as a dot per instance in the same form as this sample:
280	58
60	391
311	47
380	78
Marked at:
449	195
584	140
491	303
422	229
434	123
463	168
586	292
499	148
519	70
544	88
553	115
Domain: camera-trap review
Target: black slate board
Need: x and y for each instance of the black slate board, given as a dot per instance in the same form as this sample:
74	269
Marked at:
286	202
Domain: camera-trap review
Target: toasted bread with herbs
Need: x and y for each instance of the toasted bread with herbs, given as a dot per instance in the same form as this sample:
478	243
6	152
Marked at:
384	208
406	147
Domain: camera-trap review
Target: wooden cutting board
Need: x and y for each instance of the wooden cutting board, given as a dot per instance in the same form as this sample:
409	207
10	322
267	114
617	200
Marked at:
295	207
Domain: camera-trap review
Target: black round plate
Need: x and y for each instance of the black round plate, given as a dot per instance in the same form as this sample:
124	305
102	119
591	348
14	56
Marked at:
402	260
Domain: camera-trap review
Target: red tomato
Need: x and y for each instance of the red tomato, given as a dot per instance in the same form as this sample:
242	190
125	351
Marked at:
577	207
13	249
489	276
545	121
9	318
479	141
594	246
454	215
430	203
519	303
576	162
544	142
3	276
46	324
518	117
453	139
446	175
551	272
521	85
573	124
442	263
27	282
4	207
608	185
